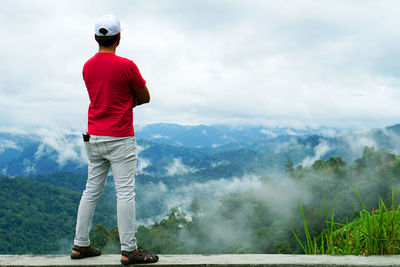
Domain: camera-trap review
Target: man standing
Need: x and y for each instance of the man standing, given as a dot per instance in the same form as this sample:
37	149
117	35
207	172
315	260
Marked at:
115	86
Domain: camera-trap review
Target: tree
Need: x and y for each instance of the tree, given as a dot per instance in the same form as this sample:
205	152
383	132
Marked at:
336	165
289	169
319	165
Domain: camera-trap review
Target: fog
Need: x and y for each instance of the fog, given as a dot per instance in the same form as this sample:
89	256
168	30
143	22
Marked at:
178	168
320	150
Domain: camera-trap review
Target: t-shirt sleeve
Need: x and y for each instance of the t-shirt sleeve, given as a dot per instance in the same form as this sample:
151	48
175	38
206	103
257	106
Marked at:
135	76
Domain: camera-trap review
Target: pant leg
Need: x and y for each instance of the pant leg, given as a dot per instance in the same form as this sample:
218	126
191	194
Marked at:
123	160
98	168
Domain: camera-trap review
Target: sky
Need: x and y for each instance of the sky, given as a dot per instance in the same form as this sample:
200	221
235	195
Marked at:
275	63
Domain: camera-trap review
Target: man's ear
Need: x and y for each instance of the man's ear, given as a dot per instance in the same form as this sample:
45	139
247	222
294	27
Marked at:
95	37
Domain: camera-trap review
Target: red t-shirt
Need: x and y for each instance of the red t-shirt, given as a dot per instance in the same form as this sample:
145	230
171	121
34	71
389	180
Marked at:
111	82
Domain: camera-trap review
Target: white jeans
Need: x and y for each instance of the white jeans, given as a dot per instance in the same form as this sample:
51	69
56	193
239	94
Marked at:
119	153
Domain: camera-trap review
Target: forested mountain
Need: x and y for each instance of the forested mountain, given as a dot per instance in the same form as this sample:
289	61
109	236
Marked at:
169	149
260	220
40	218
219	135
193	190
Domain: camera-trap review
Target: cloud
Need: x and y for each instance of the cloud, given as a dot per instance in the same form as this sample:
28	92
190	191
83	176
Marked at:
229	223
292	144
29	166
394	141
357	143
269	133
11	130
5	144
308	63
142	163
212	190
219	163
183	196
141	148
68	145
159	136
178	168
320	150
378	138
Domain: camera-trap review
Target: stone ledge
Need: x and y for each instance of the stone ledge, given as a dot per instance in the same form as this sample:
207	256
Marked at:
205	260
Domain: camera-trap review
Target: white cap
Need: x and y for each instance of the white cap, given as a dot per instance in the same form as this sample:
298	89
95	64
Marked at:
108	22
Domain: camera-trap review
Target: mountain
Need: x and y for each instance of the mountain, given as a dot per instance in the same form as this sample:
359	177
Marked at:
213	136
170	172
40	218
42	151
169	149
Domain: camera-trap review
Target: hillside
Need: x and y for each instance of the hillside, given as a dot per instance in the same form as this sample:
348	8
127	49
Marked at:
170	149
40	218
260	220
183	182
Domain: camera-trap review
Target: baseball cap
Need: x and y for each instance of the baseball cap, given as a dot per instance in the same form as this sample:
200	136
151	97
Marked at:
108	22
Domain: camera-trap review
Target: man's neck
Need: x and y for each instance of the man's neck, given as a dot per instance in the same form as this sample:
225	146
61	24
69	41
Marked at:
109	49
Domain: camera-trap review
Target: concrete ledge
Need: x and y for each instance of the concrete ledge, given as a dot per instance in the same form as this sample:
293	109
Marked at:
205	260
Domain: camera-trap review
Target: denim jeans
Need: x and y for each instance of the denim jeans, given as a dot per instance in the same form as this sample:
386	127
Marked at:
119	153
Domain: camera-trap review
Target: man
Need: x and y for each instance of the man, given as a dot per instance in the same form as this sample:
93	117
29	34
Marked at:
115	86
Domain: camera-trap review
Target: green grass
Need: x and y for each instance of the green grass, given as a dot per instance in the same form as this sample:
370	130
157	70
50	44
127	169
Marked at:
376	232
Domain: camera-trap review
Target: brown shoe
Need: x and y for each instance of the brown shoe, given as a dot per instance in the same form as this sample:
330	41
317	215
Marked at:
138	255
85	252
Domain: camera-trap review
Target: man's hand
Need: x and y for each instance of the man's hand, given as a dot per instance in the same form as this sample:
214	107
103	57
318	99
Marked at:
135	102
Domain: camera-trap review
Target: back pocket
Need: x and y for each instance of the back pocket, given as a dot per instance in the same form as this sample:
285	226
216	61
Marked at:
88	151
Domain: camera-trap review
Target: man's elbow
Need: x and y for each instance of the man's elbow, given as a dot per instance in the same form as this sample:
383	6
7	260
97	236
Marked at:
144	94
146	99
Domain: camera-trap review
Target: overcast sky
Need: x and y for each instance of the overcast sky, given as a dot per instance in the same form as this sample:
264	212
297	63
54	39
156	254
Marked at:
278	63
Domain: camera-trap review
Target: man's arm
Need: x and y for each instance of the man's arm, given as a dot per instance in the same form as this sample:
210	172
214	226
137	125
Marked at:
141	96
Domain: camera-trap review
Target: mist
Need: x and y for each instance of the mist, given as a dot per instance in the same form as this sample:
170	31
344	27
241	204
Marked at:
319	151
247	213
182	197
178	168
258	217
